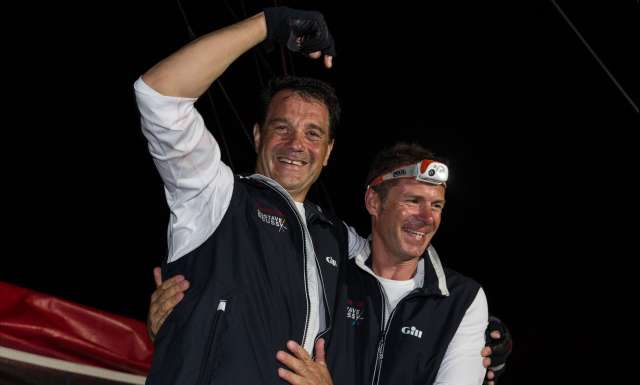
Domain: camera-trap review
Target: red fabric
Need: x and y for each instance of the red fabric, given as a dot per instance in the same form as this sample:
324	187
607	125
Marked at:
42	324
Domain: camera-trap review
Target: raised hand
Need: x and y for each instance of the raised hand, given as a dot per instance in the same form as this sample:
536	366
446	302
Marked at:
305	32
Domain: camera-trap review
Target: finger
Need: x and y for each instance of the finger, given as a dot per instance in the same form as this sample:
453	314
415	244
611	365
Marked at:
486	351
294	364
490	375
486	362
157	276
158	316
289	376
495	335
168	288
298	351
315	55
171	302
159	310
172	281
161	320
156	325
169	294
328	61
162	305
320	353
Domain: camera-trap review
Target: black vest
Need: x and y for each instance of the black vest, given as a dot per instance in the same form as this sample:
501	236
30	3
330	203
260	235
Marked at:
411	348
248	294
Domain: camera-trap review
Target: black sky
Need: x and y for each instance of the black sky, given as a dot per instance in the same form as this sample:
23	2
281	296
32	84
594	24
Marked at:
541	211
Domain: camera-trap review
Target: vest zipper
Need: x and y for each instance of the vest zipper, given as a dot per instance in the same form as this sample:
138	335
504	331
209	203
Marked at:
382	339
304	261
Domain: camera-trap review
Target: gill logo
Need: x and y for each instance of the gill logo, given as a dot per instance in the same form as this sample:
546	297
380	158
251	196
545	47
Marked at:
412	331
332	261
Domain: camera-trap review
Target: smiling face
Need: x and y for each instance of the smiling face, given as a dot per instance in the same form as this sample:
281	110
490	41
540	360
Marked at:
294	143
406	221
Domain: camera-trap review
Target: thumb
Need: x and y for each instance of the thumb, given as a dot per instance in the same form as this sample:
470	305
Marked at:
157	276
320	353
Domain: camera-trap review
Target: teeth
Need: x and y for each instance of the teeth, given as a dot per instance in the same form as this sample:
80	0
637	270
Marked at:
417	234
294	162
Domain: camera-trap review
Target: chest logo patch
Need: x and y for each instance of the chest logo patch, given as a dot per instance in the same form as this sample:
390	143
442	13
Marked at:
355	311
272	217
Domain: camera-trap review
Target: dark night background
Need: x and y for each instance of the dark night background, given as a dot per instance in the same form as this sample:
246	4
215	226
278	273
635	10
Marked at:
542	204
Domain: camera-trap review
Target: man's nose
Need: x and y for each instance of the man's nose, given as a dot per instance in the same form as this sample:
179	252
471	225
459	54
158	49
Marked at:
296	139
426	213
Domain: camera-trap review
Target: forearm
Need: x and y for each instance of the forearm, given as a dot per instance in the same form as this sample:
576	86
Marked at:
190	71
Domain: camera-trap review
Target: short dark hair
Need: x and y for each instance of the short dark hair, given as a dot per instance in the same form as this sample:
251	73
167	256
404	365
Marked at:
307	88
391	158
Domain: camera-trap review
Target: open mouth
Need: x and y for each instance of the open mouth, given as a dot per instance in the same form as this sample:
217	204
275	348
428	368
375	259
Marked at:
416	234
293	161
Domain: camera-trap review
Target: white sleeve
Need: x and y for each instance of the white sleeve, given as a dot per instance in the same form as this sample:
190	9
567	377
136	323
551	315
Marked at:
462	363
357	244
198	185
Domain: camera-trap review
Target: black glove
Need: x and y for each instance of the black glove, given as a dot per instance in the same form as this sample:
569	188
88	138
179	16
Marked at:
300	31
501	347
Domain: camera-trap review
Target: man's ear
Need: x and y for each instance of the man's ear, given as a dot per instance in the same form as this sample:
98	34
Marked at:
329	149
372	202
256	137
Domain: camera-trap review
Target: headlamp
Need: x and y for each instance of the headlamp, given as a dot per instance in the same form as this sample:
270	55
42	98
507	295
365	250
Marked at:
427	170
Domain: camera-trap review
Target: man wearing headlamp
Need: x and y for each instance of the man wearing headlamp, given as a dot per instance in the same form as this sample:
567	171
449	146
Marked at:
407	319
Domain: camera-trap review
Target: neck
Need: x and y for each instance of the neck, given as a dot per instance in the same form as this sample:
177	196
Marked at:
388	266
298	196
402	271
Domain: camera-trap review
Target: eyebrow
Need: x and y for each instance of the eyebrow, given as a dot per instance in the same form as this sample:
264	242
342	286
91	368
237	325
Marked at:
278	120
420	197
288	123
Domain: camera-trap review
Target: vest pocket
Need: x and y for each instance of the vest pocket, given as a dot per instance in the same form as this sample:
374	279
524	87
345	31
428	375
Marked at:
211	359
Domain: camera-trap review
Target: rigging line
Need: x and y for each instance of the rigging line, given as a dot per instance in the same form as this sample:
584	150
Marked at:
283	61
235	112
256	53
613	79
192	36
243	6
186	20
291	63
231	11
